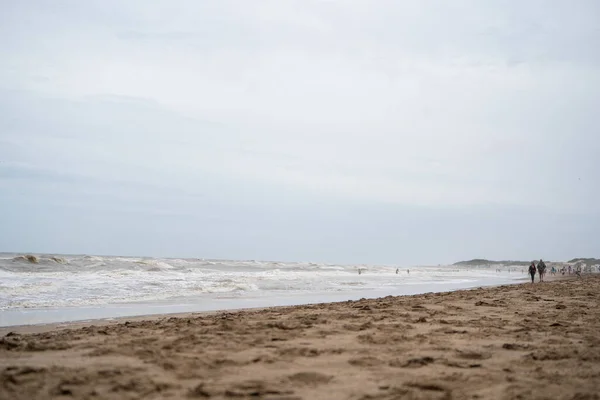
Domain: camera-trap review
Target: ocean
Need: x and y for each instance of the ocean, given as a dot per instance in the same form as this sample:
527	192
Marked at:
37	289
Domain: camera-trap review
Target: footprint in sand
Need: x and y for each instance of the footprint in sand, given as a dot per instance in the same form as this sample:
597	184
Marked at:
554	355
310	378
515	346
365	362
256	389
412	362
473	355
411	391
299	352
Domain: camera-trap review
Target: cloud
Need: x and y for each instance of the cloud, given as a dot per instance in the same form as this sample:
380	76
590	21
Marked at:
225	110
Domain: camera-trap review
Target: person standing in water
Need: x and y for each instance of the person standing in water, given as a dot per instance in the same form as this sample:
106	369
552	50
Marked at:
541	267
532	271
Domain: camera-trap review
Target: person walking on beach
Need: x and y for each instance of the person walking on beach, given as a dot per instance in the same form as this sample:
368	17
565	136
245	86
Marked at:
541	267
532	271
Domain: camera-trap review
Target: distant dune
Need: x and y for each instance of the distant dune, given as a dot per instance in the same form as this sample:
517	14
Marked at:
587	261
483	261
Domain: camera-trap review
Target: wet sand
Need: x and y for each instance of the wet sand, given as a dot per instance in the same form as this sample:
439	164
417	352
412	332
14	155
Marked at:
521	341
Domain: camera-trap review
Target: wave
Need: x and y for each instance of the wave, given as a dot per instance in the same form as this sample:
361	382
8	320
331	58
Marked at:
230	287
27	258
155	265
70	281
31	259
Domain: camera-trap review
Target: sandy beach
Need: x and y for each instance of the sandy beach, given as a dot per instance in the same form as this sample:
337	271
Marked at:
520	341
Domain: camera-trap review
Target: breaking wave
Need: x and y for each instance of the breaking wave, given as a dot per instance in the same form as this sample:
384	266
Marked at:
51	281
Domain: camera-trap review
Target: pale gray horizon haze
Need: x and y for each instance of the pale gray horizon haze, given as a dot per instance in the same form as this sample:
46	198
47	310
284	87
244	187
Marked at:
401	132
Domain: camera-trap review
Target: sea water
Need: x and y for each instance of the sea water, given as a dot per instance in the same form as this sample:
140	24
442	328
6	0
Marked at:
58	288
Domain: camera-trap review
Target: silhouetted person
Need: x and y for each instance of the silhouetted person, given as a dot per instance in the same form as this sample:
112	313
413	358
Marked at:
532	271
541	267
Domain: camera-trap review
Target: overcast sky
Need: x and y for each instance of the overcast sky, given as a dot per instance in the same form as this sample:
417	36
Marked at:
408	132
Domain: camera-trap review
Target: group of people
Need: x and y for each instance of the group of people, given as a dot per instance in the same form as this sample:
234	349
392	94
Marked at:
577	270
571	270
540	268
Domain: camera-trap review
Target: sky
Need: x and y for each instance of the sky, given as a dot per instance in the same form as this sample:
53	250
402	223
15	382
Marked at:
400	132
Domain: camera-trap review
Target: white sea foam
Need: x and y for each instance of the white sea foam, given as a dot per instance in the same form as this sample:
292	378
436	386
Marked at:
77	281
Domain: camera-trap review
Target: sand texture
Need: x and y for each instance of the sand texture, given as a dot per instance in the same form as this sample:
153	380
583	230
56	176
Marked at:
510	342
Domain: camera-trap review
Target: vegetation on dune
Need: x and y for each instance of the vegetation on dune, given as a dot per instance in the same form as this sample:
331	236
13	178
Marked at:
483	261
586	261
